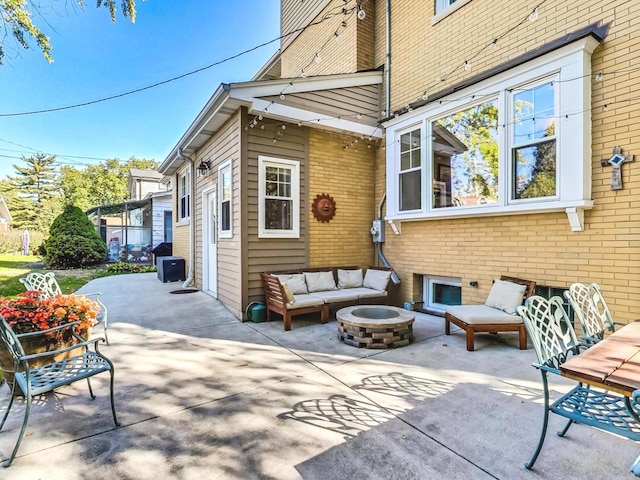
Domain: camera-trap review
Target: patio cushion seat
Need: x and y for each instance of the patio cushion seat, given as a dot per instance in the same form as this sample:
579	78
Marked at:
335	296
305	300
482	314
363	293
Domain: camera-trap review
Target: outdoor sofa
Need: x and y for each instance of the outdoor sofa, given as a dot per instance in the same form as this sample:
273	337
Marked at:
309	290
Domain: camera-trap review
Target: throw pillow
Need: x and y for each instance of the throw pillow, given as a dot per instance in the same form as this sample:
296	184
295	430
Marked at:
506	296
288	294
295	281
349	278
320	281
376	279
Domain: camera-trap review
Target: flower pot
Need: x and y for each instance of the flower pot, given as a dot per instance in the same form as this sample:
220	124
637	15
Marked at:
39	344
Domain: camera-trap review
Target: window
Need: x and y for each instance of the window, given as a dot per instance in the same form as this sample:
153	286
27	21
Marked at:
184	195
440	292
225	187
534	142
501	146
443	4
410	171
278	198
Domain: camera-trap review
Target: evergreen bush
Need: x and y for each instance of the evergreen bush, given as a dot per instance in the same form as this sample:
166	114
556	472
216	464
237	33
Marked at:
73	241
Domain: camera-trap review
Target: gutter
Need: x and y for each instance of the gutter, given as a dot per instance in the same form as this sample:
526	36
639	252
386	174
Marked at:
183	157
387	66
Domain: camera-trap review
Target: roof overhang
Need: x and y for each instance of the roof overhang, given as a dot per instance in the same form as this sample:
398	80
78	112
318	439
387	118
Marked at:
257	98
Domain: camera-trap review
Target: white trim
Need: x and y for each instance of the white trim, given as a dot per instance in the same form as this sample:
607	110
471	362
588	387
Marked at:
186	173
206	216
571	65
428	283
294	165
222	168
447	11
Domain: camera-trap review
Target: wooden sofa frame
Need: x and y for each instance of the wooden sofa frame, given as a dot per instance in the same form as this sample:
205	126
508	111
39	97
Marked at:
471	330
276	302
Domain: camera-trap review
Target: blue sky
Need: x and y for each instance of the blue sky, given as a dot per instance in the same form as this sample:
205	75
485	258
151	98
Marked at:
95	58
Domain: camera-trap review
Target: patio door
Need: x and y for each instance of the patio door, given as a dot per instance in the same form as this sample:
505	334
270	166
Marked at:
209	242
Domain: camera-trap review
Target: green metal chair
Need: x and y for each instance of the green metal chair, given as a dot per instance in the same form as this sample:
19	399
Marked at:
555	341
47	284
592	311
38	380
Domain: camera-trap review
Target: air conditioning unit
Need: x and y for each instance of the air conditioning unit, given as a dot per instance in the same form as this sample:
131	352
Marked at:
170	269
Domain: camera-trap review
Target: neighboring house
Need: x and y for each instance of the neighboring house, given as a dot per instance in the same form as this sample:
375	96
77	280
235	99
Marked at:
5	216
486	151
133	228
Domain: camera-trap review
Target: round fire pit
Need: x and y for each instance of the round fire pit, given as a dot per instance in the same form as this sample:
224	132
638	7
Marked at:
375	326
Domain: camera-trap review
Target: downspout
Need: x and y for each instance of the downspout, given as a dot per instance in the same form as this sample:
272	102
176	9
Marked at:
192	222
387	62
394	276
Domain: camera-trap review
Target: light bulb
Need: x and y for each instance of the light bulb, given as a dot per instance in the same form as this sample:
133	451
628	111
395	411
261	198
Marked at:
317	58
303	74
260	117
262	127
361	13
425	96
282	97
533	16
494	43
299	124
598	77
467	65
284	127
359	116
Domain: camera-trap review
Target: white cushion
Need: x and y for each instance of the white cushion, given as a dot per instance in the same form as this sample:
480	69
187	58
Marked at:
349	278
295	281
335	296
320	281
481	315
363	293
376	279
506	296
305	300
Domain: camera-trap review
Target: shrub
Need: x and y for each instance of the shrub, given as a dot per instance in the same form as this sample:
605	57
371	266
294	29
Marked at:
11	241
122	267
73	241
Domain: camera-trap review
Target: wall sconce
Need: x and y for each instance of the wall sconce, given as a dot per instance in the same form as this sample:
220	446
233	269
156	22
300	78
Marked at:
203	168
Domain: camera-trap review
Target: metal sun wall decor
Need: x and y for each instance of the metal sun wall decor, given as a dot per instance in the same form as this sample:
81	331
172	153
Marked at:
616	162
323	207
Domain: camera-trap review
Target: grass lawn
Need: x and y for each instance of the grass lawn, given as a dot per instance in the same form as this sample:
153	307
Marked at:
13	267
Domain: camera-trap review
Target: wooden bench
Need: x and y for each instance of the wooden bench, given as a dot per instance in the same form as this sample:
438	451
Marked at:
323	302
493	322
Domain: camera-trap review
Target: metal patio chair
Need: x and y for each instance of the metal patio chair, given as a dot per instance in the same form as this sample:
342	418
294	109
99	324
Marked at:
555	341
41	379
592	311
47	284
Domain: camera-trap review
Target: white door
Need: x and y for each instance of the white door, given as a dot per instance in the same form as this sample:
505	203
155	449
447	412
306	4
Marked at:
209	242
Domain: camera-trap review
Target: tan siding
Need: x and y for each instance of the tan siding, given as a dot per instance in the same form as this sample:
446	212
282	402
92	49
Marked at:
294	14
339	102
346	175
224	146
274	254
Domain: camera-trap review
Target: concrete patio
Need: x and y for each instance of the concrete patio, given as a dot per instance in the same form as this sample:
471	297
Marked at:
201	395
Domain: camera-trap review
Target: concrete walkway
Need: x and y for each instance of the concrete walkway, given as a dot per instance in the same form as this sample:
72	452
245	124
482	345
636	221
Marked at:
202	396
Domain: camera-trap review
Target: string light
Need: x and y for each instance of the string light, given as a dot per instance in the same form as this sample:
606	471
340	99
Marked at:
361	13
598	77
467	65
533	16
317	58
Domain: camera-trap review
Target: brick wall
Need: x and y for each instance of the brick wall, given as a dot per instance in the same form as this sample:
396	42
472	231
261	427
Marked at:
541	247
343	174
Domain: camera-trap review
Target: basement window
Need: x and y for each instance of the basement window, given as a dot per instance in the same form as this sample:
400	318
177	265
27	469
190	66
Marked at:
438	292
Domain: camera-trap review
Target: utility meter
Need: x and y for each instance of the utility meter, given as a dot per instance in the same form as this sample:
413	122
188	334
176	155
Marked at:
377	231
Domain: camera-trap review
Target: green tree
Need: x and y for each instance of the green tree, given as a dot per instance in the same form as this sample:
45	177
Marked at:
33	191
102	184
73	241
17	22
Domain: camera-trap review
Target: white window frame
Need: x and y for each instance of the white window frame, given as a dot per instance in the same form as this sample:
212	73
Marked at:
428	291
571	66
184	192
294	166
223	169
444	8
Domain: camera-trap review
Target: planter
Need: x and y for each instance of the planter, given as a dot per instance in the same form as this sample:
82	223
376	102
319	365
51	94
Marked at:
39	344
